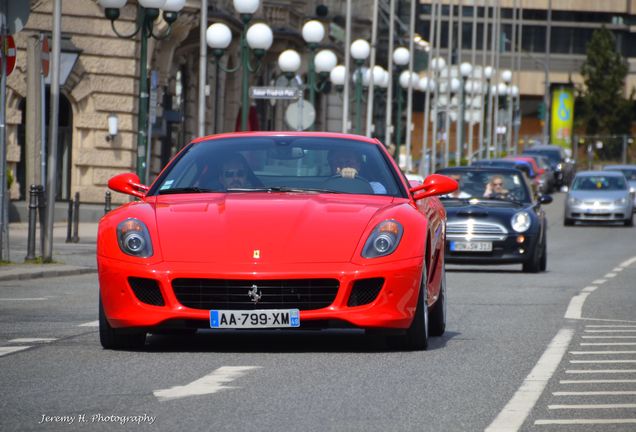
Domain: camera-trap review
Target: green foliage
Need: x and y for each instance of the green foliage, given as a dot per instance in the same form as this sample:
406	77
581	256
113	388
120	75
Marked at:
605	109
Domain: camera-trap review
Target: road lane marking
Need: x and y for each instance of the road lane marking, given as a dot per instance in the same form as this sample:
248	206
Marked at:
611	331
607	344
209	384
610	275
90	324
24	299
609	320
628	262
595	393
617	269
32	340
606	381
609	326
608	337
11	349
584	421
575	308
589	289
601	352
601	371
598	406
517	409
602	361
599	281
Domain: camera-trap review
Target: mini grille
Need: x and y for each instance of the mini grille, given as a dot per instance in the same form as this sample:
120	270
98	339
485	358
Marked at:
147	291
365	291
303	294
485	230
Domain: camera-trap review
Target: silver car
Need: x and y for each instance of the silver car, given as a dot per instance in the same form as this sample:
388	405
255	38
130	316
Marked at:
630	174
599	196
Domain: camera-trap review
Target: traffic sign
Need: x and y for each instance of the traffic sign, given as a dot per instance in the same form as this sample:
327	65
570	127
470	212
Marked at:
16	15
7	51
44	56
275	93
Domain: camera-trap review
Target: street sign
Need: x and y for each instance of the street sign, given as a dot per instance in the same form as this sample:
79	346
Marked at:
44	56
275	93
300	115
7	51
17	14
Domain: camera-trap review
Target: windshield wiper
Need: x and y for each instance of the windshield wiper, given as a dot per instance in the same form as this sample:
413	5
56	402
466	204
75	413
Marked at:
510	200
184	190
281	189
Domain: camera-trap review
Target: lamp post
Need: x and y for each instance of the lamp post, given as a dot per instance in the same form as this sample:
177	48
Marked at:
407	80
437	65
465	70
360	50
401	58
488	73
506	76
258	37
516	117
147	13
313	32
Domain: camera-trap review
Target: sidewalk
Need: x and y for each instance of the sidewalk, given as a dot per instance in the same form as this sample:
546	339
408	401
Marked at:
68	258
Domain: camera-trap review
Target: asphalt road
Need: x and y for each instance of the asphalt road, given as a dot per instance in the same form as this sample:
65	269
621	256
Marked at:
510	360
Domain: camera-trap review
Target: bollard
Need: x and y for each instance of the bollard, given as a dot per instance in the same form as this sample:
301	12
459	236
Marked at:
76	218
69	222
41	198
33	208
107	202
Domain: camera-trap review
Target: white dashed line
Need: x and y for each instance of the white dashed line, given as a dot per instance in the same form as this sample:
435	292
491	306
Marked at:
628	262
602	361
11	349
517	409
585	421
608	337
209	384
90	324
600	371
608	344
617	269
598	406
610	326
610	275
607	381
611	331
32	340
575	308
601	352
589	289
595	393
24	299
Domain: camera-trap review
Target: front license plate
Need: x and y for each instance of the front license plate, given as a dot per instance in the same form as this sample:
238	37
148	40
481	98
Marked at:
456	246
264	318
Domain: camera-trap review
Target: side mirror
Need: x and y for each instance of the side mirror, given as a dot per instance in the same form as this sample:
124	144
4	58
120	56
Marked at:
435	184
129	184
545	199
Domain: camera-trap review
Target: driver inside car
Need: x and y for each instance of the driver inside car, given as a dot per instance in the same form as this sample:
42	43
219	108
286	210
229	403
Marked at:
347	163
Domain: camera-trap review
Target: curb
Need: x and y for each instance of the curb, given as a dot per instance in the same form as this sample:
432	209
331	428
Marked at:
37	274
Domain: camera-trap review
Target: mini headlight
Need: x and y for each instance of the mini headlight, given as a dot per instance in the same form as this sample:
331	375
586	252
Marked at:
620	201
133	238
383	240
521	221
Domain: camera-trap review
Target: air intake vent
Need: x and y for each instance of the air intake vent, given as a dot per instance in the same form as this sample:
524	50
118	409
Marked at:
365	291
147	291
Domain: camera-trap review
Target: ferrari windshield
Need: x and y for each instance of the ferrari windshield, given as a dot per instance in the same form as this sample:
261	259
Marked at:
492	184
310	164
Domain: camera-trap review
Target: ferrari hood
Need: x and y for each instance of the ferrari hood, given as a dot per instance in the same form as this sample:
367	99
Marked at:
262	227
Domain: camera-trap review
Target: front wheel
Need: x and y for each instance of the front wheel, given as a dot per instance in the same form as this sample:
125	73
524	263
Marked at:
416	337
111	338
533	264
437	315
629	222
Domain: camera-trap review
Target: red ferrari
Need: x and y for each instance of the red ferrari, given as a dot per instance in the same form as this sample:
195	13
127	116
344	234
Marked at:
275	230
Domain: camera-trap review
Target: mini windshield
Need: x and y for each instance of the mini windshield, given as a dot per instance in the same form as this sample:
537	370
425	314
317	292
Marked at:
599	182
280	164
488	185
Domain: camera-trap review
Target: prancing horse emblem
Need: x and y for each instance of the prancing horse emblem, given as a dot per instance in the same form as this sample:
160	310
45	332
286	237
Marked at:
255	294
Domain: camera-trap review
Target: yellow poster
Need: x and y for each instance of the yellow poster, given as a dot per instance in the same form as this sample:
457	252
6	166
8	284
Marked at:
562	116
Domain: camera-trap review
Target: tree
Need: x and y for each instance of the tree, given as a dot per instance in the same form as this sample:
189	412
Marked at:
606	110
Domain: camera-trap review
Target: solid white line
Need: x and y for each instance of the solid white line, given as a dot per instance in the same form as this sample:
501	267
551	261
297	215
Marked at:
608	337
209	384
575	308
24	299
32	340
595	371
11	349
90	324
608	320
602	361
600	406
584	421
610	326
595	393
599	281
611	331
610	343
517	409
628	262
601	352
610	275
596	381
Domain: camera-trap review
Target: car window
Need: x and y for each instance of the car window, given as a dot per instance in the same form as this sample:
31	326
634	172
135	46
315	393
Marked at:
280	162
599	182
474	184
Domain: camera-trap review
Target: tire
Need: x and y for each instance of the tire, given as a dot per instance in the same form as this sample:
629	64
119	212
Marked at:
114	339
416	336
543	262
533	265
567	221
629	222
437	314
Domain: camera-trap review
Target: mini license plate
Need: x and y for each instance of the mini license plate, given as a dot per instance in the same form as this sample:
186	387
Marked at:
264	318
456	246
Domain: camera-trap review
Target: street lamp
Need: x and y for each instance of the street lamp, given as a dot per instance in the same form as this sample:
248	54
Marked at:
515	118
147	13
465	70
437	65
506	76
489	71
401	57
360	50
258	37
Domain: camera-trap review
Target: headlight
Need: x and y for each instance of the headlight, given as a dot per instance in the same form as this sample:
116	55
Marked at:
620	201
632	190
574	201
559	166
134	239
383	240
521	221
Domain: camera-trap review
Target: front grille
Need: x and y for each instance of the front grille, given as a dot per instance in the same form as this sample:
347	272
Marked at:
147	291
476	230
303	294
365	291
